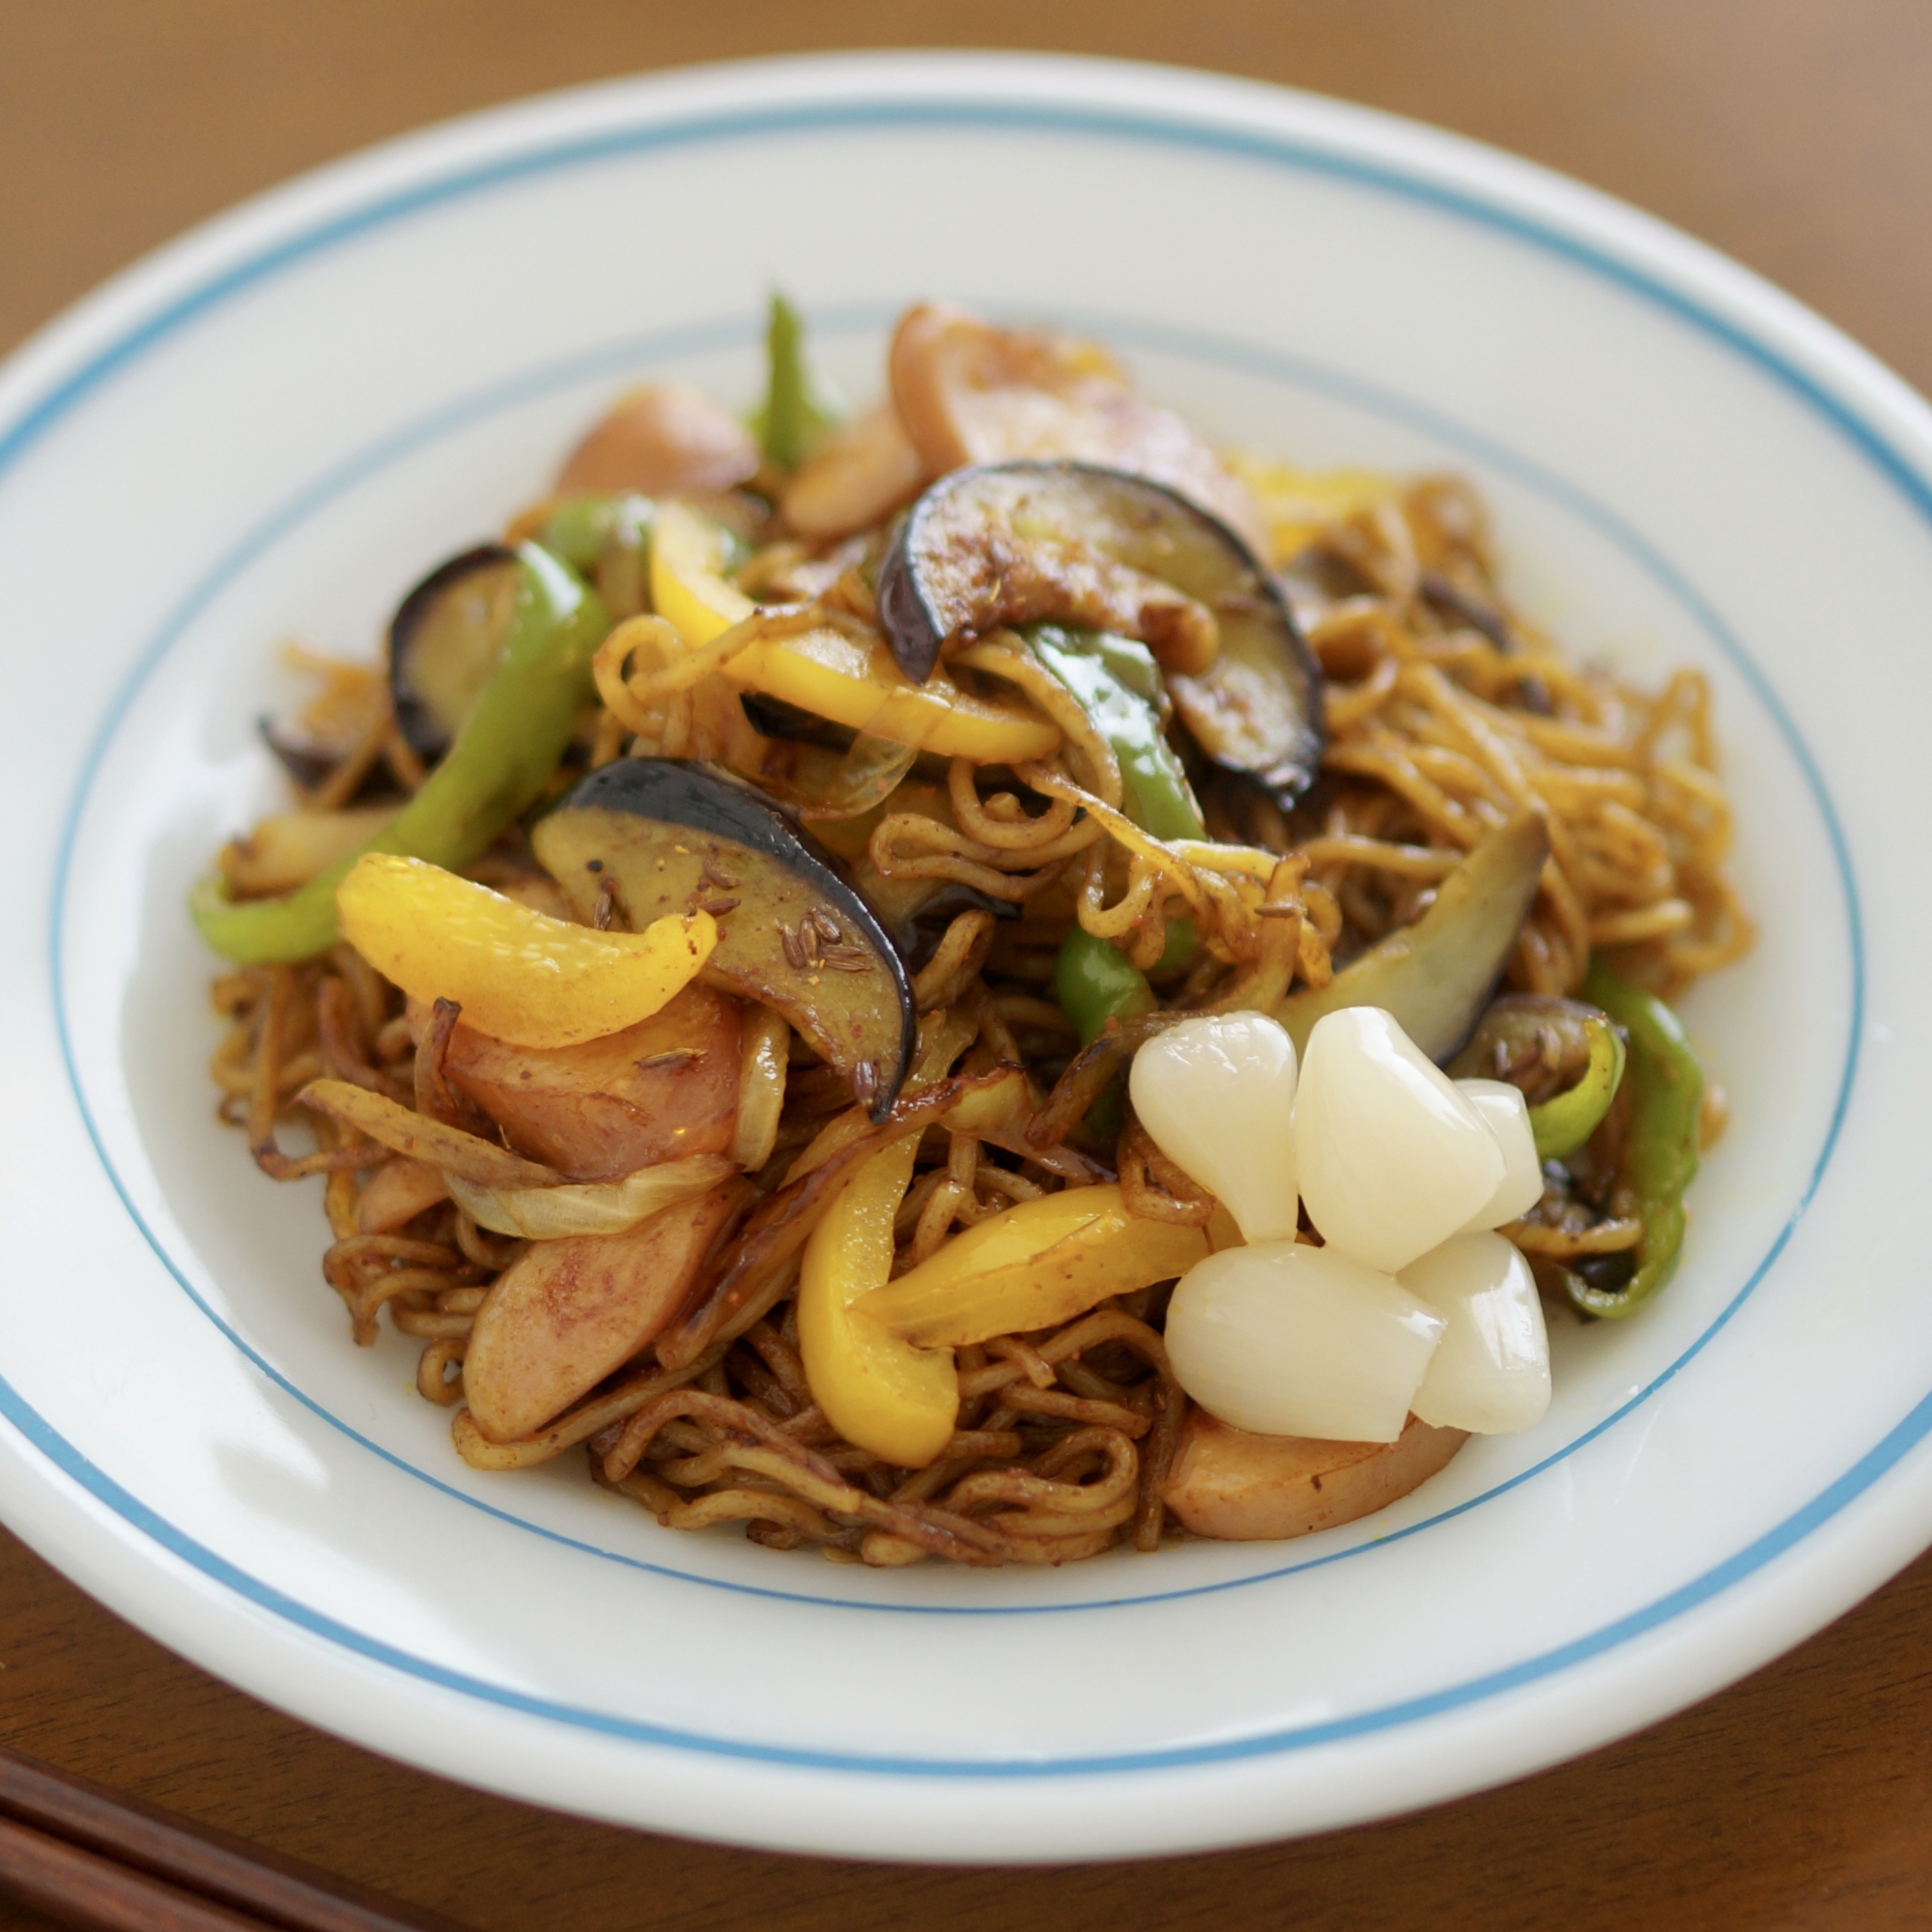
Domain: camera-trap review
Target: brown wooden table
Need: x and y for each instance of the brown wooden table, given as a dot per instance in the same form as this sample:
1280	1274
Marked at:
1795	133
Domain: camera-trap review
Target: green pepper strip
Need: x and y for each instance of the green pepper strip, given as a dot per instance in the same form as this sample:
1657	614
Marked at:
1565	1122
1117	684
796	411
1095	981
1660	1150
497	767
584	530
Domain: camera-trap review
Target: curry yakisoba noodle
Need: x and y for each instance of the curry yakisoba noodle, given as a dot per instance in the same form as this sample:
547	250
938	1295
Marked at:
891	784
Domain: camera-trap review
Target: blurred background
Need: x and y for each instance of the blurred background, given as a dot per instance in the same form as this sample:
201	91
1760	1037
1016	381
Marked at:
1793	134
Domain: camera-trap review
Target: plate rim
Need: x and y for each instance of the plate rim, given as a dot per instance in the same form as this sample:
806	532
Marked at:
506	130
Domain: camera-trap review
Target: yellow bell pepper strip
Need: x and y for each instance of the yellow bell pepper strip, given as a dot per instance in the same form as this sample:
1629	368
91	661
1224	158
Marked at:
1002	1106
797	411
850	681
877	1391
1033	1265
781	1225
498	766
1659	1158
519	975
1297	505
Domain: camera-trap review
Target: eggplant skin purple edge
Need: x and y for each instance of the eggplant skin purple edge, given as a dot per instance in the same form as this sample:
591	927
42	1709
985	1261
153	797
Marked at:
903	614
424	736
914	637
679	791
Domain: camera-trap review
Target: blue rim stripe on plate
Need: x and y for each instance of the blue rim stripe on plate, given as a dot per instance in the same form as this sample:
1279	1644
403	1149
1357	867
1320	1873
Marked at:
1148	127
1304	1737
644	351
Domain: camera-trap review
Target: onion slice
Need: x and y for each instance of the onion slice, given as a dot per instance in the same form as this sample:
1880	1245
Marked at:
590	1207
1506	1115
1217	1094
1283	1339
1491	1373
1392	1158
433	1141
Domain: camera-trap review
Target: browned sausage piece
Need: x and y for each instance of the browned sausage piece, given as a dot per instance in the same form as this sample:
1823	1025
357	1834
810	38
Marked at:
398	1192
970	392
659	1090
663	439
566	1313
1244	1488
857	476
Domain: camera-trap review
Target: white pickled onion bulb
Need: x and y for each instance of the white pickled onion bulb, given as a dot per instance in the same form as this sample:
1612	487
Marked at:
1392	1158
1288	1340
1491	1373
1507	1114
1217	1094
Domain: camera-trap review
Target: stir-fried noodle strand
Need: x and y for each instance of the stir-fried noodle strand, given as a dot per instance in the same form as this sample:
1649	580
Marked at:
1446	711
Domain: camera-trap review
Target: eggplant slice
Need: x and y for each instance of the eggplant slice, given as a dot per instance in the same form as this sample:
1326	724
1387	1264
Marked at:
643	838
772	718
445	641
1015	543
1436	976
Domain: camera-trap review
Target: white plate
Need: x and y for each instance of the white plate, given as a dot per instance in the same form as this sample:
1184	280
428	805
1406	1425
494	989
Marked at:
273	426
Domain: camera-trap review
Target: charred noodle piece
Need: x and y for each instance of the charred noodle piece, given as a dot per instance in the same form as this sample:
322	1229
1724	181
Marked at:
649	836
1436	976
757	1263
1088	1074
445	642
497	767
1020	543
